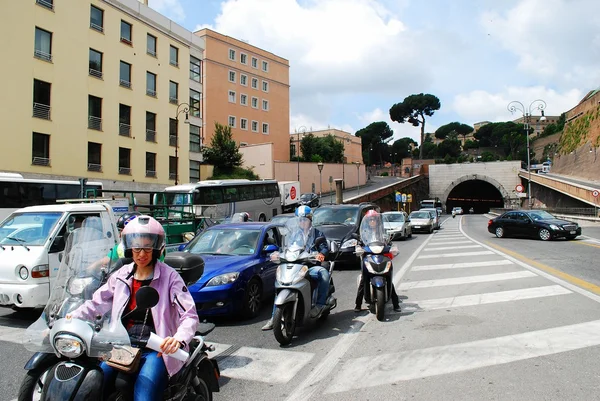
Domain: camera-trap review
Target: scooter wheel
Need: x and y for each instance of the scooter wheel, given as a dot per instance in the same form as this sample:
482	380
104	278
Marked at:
284	324
32	383
202	391
380	305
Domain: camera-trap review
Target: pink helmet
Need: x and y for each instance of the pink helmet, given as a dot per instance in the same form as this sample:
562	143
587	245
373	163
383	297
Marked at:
143	232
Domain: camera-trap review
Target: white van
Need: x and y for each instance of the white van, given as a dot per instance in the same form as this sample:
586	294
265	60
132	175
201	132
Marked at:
31	240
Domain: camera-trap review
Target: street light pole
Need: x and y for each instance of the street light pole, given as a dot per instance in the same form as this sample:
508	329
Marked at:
537	104
185	109
320	167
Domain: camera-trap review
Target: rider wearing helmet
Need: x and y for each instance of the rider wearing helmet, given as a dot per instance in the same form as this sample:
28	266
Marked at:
241	217
174	317
314	243
126	218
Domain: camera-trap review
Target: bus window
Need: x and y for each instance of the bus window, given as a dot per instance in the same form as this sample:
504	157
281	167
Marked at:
231	194
245	193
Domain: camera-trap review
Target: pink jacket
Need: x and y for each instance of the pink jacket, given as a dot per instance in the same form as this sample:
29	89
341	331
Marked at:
174	315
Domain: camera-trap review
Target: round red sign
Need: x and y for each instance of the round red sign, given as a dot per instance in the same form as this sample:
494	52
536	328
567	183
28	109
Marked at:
595	194
519	188
293	193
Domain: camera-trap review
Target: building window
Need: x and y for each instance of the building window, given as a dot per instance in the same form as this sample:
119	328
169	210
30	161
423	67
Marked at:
194	171
231	54
232	76
150	164
150	126
49	4
244	124
195	138
125	74
124	120
94	113
41	99
173	92
265	128
125	161
97	19
254	83
194	103
254	102
243	58
265	86
95	63
173	132
265	105
150	84
231	96
243	80
94	156
232	121
254	126
126	29
244	100
40	149
43	44
174	56
265	66
172	168
195	69
254	62
151	45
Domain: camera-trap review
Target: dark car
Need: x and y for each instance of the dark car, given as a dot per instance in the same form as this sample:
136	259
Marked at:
309	199
533	224
338	222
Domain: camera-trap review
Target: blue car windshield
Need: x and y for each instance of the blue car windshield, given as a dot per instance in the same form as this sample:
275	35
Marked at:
226	241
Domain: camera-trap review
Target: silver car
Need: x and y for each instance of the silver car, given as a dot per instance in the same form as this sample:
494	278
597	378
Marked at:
397	225
422	220
436	217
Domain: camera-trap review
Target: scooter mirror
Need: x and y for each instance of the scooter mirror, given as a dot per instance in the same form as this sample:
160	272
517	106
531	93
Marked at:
146	297
333	247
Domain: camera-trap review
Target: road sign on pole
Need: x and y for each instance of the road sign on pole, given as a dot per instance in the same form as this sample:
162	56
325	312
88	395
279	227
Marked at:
595	193
519	188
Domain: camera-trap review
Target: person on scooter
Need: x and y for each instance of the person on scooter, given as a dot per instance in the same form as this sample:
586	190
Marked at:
375	222
317	272
174	318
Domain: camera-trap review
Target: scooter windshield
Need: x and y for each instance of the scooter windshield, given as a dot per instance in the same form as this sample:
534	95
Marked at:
80	275
372	233
297	230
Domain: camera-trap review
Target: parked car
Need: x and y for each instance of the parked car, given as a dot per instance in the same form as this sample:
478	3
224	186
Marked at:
309	199
338	222
422	221
436	217
457	210
238	273
397	225
533	224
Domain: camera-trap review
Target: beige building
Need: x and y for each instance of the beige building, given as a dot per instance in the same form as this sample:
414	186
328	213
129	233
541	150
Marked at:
352	144
92	88
248	89
537	124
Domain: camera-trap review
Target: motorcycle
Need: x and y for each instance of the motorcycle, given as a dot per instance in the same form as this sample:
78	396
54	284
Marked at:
78	345
376	254
295	292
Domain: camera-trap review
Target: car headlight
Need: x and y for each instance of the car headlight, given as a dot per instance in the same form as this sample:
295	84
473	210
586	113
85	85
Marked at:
223	279
69	346
77	285
349	243
555	227
23	273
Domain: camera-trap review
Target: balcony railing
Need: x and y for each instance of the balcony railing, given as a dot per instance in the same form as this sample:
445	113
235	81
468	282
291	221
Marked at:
173	140
40	161
96	73
96	27
95	167
41	111
125	40
150	173
124	129
124	83
125	170
173	100
95	123
42	55
150	135
151	92
45	3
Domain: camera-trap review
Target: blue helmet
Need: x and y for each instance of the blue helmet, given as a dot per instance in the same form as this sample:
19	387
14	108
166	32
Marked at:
304	211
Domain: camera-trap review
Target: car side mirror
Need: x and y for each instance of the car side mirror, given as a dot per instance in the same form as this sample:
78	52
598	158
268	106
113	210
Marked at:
270	248
58	245
333	246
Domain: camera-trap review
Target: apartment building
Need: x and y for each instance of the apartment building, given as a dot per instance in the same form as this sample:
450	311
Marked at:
248	89
352	144
99	89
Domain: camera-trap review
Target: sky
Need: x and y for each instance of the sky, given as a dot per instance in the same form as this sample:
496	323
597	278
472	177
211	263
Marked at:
352	60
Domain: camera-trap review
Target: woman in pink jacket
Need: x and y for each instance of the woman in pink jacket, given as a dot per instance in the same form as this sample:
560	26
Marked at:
174	318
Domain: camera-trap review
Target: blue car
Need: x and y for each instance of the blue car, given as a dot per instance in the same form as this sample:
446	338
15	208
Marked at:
238	273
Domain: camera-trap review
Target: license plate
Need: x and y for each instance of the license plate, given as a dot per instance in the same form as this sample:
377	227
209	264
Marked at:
572	232
417	226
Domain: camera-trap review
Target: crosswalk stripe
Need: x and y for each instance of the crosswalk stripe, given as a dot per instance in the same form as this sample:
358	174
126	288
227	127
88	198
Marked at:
466	280
463	265
444	242
371	371
444	236
445	248
450	255
486	298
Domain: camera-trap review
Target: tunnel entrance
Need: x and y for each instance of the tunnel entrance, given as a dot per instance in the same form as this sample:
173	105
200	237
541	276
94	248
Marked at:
477	194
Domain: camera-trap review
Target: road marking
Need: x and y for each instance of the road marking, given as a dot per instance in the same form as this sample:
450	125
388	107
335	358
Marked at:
379	370
586	243
450	255
12	334
449	242
466	280
445	248
446	236
463	265
486	298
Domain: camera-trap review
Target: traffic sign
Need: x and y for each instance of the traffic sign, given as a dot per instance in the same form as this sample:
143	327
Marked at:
398	197
403	198
293	192
519	188
595	193
409	198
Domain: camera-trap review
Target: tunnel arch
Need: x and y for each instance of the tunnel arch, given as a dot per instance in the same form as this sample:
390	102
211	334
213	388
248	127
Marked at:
503	198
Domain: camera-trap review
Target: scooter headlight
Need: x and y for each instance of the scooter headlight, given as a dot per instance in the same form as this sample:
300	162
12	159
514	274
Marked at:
292	256
290	276
69	346
349	244
378	268
376	248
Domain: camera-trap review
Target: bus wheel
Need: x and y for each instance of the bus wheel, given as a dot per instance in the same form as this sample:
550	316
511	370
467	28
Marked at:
262	217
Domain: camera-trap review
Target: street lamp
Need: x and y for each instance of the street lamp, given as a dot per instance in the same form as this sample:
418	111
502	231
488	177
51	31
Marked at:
343	165
301	129
537	104
357	177
185	109
320	166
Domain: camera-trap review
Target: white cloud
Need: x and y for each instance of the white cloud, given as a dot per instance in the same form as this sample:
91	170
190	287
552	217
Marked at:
169	8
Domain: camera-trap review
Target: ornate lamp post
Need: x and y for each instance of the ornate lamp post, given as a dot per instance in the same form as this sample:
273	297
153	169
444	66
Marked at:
320	166
300	130
358	176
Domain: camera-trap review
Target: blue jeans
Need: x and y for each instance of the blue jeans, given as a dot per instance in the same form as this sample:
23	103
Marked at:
151	379
321	275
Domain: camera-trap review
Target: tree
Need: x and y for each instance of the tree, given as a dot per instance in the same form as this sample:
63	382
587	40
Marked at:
223	153
374	138
401	148
413	109
309	147
455	128
330	149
